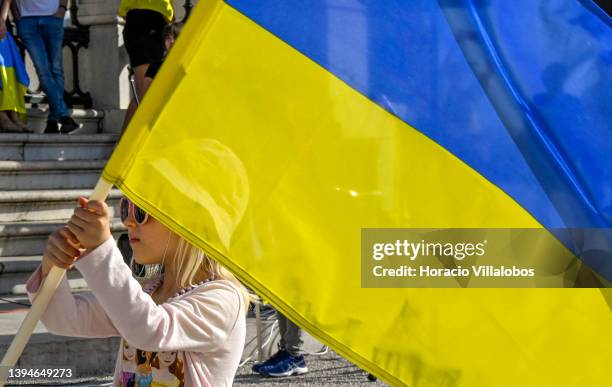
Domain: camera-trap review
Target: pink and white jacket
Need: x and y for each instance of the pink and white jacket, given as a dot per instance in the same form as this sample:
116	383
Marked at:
194	339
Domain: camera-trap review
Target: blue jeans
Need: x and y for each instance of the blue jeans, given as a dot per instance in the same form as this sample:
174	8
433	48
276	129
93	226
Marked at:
43	37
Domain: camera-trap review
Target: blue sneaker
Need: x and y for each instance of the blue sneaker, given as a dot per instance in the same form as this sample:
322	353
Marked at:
286	366
281	354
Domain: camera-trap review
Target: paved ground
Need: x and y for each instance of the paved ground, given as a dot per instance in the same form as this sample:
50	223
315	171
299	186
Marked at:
326	370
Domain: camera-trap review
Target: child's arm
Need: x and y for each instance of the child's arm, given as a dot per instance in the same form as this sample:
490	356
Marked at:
67	314
201	321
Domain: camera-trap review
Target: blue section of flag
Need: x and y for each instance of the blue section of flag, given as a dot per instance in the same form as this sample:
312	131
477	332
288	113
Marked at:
549	78
521	91
10	57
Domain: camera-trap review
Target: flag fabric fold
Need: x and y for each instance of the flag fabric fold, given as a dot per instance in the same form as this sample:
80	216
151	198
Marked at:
14	80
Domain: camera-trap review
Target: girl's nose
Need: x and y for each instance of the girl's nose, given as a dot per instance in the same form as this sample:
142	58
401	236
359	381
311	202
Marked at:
130	221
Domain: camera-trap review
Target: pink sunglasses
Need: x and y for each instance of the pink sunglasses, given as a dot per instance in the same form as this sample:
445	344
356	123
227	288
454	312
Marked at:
126	207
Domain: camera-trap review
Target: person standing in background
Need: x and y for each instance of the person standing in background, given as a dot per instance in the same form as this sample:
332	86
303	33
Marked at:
145	21
40	24
289	360
171	33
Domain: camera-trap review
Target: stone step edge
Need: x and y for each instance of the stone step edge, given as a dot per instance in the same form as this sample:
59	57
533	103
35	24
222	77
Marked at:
27	229
75	281
19	264
35	138
56	195
51	165
37	112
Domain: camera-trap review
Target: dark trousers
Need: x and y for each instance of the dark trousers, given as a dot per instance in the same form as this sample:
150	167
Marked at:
291	335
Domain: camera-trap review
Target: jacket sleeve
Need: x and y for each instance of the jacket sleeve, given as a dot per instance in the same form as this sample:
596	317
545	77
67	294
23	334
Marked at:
200	321
68	314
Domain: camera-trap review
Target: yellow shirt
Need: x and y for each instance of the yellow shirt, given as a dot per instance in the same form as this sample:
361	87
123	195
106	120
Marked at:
174	383
162	6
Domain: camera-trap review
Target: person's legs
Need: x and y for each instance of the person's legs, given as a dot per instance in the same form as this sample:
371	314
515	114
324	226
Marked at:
289	360
14	117
6	125
139	75
33	31
282	329
129	113
52	31
281	353
293	339
31	35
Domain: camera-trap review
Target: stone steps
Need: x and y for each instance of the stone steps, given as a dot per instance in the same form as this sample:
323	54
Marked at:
90	119
14	283
45	205
59	147
30	238
52	174
22	264
41	178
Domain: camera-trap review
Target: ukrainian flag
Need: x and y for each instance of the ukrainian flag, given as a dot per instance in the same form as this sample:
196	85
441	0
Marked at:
277	130
14	79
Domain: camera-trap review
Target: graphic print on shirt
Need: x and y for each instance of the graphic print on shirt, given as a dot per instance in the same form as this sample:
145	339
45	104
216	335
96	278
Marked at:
151	369
128	364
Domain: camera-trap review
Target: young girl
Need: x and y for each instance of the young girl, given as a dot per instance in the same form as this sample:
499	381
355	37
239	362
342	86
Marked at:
195	309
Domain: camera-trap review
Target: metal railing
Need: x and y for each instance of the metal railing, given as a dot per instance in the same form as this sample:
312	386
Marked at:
76	37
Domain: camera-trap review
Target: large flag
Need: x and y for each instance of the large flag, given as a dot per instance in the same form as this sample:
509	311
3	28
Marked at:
277	130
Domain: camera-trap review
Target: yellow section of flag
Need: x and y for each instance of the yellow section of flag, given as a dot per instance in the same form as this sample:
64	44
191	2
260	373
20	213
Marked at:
272	165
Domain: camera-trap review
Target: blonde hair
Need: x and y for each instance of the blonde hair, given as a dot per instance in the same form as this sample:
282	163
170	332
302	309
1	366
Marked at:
189	261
